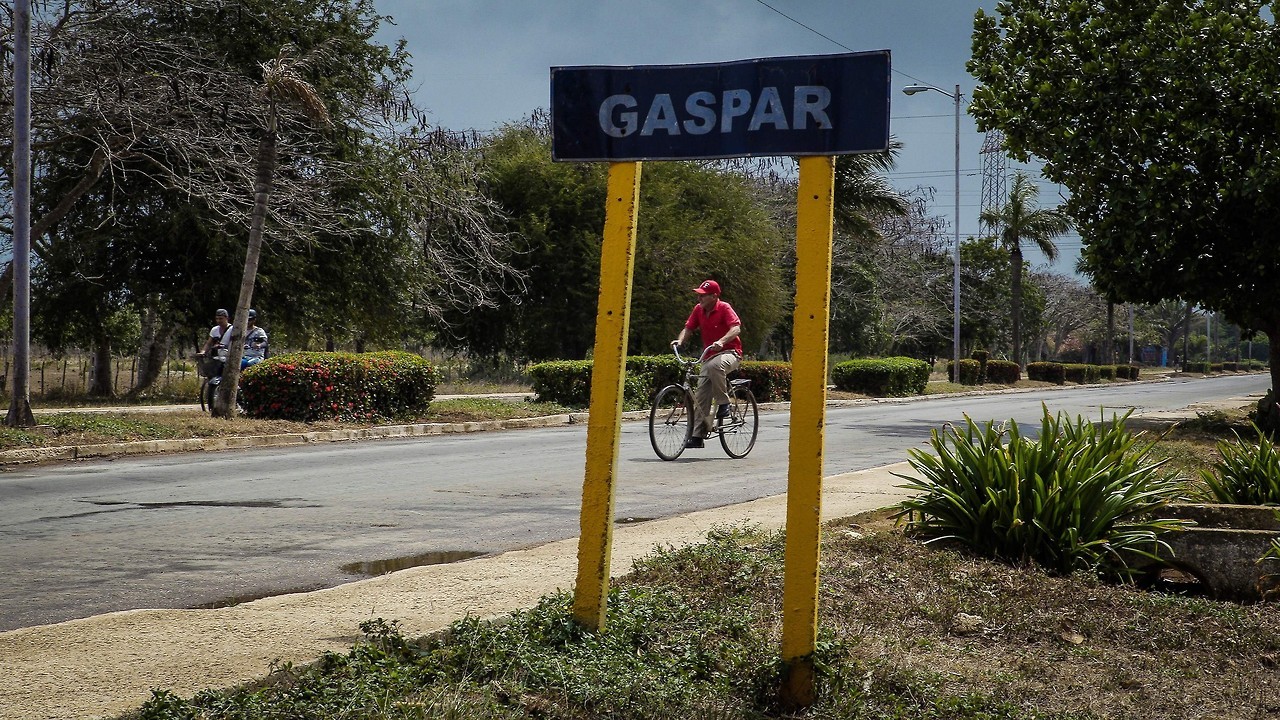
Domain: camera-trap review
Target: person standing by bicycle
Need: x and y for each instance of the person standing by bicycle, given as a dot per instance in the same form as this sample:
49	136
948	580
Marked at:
219	339
719	327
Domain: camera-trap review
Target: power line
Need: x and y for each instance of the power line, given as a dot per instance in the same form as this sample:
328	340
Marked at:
829	38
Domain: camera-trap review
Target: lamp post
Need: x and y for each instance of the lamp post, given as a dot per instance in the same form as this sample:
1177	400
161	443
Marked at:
955	280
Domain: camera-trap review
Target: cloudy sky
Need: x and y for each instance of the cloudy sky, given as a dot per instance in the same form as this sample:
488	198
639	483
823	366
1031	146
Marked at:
481	63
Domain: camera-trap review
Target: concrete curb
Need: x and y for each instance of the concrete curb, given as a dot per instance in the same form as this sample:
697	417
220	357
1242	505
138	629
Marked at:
147	447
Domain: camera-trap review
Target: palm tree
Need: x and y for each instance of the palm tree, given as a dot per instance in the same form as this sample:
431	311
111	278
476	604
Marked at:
862	191
1022	219
282	82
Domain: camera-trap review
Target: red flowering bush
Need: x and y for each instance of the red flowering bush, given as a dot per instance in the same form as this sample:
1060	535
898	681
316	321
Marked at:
339	386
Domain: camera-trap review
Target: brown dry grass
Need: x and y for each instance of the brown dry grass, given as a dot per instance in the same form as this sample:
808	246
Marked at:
965	625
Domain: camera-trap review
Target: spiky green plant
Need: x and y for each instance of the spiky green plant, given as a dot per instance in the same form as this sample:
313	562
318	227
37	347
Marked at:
1080	497
1248	474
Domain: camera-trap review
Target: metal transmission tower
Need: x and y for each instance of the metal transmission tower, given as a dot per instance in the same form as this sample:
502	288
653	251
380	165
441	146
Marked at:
995	172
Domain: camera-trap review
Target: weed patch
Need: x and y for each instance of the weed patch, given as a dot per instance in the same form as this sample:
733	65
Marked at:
907	631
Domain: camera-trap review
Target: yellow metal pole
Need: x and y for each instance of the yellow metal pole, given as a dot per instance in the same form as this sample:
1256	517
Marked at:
815	204
617	260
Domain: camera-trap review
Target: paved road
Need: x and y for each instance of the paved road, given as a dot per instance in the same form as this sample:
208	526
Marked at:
207	528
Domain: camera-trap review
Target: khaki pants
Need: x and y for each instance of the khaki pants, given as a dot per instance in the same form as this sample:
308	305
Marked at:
713	387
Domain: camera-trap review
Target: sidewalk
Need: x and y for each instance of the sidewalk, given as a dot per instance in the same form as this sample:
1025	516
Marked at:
105	665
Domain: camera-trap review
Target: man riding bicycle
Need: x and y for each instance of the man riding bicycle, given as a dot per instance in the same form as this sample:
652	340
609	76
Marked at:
715	320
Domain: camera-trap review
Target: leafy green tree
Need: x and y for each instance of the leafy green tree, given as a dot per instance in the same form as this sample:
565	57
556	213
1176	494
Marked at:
984	294
1020	219
865	203
1159	117
697	221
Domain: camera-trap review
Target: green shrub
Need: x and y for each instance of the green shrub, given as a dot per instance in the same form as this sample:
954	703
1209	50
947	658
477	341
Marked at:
658	371
568	382
343	386
1247	474
982	356
1230	367
1198	367
1081	373
1127	372
1003	372
1081	497
770	381
1107	372
970	372
1047	372
1215	368
882	377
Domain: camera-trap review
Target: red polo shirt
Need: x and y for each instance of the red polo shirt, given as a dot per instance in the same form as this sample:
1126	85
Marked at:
713	325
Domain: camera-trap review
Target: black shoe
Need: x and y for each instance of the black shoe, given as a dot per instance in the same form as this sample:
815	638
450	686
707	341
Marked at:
694	442
722	412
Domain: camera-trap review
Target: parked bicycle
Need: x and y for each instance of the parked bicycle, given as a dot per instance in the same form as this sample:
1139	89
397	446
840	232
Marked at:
671	418
209	370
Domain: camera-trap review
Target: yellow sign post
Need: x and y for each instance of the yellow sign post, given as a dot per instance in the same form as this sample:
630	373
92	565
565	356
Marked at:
814	107
815	204
617	261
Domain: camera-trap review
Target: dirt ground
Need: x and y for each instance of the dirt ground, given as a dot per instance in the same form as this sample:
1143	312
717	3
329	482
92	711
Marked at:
103	666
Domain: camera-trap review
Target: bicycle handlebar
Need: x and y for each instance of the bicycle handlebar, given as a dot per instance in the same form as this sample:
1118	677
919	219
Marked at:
675	348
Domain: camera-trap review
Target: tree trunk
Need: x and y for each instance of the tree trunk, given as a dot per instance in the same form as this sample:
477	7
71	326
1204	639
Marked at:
103	385
153	350
1269	407
225	404
1109	343
1015	301
1186	338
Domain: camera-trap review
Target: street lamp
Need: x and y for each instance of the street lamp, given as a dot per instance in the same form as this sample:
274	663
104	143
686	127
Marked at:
955	280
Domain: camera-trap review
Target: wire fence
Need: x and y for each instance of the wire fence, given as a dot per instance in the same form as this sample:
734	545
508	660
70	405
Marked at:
70	375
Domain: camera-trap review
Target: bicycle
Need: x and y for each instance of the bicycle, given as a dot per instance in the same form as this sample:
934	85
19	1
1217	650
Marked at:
209	370
671	417
206	370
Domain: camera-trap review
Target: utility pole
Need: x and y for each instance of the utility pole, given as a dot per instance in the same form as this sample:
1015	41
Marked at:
1130	333
20	403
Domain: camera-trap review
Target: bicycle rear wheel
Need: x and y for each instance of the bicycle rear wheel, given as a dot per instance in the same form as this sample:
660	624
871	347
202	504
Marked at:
670	421
738	433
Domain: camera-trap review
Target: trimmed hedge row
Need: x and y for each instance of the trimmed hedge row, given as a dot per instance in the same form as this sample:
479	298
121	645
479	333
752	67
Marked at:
1047	372
568	382
882	377
1059	373
1002	372
1207	368
312	386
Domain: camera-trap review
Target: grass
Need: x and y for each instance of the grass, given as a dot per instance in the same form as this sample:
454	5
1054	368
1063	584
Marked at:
87	428
906	631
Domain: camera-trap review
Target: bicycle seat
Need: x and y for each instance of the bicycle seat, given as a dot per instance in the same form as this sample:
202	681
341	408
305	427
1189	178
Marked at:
740	382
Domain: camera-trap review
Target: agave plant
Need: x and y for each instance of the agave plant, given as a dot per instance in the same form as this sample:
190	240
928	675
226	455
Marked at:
1081	496
1248	474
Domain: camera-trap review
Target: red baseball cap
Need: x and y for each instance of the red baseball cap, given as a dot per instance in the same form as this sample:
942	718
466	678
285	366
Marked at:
708	287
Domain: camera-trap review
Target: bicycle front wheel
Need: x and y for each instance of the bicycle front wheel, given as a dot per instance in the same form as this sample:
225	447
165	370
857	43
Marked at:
738	433
208	396
670	421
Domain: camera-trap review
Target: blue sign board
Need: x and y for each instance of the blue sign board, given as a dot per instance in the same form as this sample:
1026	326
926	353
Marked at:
808	105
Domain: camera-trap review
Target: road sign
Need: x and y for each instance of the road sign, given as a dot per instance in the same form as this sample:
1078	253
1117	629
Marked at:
807	105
